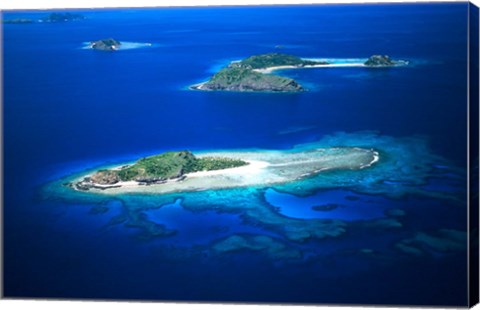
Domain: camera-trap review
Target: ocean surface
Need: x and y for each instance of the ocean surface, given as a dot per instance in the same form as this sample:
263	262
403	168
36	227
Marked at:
394	233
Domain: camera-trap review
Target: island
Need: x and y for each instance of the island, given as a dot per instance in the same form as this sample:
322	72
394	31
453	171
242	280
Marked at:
254	74
248	74
51	18
61	17
105	45
159	169
384	61
241	79
18	21
183	171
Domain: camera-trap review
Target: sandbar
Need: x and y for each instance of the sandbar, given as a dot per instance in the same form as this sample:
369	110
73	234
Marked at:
271	69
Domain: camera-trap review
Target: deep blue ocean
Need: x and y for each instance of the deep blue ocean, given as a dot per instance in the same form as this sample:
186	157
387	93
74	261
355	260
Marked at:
68	109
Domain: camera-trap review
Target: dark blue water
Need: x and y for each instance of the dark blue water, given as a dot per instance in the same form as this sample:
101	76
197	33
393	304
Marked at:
67	109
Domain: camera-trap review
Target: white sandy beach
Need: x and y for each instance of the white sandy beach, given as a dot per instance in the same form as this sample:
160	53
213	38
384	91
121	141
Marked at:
271	69
198	86
124	45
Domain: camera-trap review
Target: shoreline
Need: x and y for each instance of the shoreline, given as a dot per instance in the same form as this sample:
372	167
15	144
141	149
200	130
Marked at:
271	69
124	45
264	168
268	70
198	86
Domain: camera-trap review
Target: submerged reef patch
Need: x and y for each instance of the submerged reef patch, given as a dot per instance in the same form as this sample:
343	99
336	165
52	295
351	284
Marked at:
257	243
442	240
406	164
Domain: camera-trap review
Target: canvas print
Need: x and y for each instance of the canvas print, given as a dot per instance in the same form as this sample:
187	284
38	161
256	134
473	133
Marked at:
310	154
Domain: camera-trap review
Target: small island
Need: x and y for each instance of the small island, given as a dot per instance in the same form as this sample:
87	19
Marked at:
18	21
158	169
384	61
248	74
105	45
51	18
62	17
241	79
182	171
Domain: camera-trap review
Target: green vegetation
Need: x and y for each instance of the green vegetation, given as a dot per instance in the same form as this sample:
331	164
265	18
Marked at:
241	76
217	163
274	60
105	44
241	79
234	75
165	166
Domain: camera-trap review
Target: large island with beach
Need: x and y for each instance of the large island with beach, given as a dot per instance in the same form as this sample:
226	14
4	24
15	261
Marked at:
248	74
255	72
184	171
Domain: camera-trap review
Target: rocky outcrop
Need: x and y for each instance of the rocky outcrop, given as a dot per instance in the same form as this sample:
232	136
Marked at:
105	45
384	61
379	61
105	177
